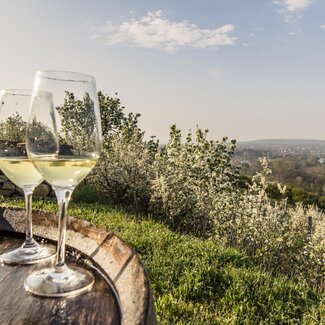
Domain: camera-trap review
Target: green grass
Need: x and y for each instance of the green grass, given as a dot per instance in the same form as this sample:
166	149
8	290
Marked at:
198	281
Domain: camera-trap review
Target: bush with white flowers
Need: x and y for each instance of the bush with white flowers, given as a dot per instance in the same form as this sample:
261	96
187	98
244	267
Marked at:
125	168
193	187
286	240
188	177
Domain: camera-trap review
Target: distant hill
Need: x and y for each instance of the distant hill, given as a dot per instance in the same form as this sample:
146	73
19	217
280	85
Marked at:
281	143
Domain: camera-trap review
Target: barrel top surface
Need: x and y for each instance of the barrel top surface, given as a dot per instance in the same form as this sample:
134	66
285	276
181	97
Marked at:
97	306
121	292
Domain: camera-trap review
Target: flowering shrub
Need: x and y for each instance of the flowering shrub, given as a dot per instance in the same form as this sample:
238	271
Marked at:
253	223
195	189
306	253
125	168
188	178
284	240
124	172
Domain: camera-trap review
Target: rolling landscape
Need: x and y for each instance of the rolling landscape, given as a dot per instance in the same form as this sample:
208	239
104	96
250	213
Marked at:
281	147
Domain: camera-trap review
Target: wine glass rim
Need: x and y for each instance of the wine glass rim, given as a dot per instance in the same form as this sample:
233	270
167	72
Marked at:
16	92
62	75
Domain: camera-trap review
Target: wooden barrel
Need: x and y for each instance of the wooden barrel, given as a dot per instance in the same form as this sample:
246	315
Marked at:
121	293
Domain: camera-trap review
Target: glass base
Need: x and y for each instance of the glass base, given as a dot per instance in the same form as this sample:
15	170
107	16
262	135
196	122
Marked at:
51	283
28	254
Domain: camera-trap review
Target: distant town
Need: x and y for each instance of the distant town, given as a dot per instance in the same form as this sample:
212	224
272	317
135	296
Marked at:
249	151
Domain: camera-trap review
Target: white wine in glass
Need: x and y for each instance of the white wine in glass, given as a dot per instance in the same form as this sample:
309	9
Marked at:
15	164
63	142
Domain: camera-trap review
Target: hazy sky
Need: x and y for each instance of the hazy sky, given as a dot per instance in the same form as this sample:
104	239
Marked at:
247	69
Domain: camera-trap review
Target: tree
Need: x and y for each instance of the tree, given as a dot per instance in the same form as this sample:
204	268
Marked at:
13	129
78	123
125	168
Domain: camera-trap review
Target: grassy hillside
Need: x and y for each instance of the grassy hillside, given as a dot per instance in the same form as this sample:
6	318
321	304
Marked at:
198	281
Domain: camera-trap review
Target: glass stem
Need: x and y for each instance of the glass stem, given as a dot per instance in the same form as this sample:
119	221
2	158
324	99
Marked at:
29	241
63	196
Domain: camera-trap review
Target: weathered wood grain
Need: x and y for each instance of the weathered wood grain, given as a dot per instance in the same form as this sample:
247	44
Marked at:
98	306
120	276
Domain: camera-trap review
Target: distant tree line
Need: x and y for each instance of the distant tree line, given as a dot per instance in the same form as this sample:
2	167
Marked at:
306	172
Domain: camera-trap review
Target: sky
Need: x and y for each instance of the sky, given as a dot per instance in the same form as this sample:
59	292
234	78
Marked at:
252	69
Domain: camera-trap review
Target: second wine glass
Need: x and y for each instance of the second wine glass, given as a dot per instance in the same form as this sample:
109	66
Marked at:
14	163
63	143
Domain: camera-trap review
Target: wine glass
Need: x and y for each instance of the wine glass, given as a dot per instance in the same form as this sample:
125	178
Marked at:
14	163
63	142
